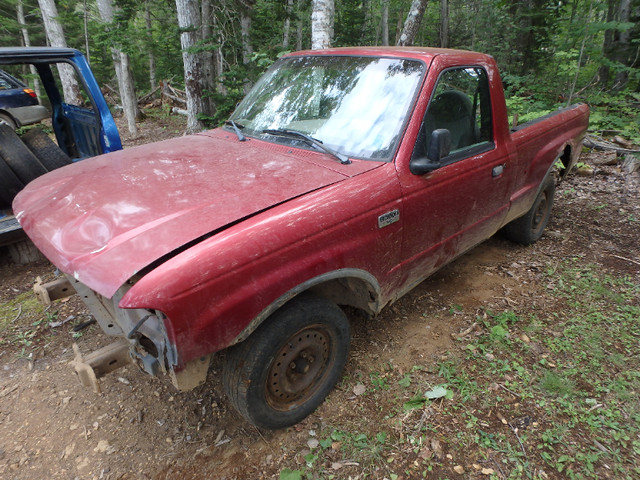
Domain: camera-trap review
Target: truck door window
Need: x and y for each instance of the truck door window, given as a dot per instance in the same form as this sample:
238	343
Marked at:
461	104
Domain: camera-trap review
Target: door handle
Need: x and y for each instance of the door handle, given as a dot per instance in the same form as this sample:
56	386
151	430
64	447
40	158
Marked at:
497	170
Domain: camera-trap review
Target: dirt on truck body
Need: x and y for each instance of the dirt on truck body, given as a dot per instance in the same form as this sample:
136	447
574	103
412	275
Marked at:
343	179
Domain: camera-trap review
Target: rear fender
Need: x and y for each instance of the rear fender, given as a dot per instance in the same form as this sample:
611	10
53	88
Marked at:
566	149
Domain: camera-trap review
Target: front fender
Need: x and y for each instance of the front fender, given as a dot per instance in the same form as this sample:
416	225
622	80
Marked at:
218	291
369	282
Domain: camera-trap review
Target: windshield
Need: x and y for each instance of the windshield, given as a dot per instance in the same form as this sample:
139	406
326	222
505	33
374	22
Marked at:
354	105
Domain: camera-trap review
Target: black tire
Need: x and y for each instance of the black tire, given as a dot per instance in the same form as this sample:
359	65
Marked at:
10	185
45	149
7	120
16	154
529	228
287	367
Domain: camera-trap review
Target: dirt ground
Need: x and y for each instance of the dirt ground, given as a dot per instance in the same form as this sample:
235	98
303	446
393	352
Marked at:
141	428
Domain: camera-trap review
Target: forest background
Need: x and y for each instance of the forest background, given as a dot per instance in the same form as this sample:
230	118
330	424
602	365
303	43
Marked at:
551	53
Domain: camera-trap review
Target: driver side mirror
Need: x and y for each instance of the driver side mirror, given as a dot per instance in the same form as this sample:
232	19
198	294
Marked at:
439	147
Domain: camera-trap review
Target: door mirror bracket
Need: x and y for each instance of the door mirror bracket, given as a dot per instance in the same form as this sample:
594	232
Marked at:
439	147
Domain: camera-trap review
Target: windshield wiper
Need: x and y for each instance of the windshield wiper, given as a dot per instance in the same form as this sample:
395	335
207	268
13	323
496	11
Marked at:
283	132
236	128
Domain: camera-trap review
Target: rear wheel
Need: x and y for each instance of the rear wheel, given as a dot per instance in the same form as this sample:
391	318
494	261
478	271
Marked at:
7	120
16	154
45	149
287	367
529	228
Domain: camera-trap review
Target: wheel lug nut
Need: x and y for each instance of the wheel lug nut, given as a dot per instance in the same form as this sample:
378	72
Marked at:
292	366
303	354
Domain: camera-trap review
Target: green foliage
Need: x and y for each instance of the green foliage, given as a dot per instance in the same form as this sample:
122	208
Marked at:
550	53
438	392
288	474
616	114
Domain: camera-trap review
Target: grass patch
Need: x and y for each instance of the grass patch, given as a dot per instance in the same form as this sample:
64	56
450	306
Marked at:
14	311
571	385
550	395
22	321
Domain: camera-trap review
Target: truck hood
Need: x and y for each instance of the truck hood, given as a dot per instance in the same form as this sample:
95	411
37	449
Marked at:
104	219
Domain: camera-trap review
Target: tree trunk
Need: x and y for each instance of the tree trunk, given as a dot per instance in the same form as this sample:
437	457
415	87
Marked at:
412	23
622	47
365	32
153	82
55	35
27	43
299	27
530	30
385	22
123	72
245	28
286	30
208	57
615	47
85	17
604	71
130	105
444	23
189	23
398	27
321	24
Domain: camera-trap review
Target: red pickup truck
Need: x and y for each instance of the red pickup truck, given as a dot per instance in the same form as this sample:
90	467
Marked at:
344	178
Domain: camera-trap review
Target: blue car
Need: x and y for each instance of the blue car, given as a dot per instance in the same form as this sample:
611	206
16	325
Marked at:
18	104
82	126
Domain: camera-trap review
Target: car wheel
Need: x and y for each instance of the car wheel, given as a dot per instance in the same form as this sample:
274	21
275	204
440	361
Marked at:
16	154
7	120
10	184
528	228
45	149
287	367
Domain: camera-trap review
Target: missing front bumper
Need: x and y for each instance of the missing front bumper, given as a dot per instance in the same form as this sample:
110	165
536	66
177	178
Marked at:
97	364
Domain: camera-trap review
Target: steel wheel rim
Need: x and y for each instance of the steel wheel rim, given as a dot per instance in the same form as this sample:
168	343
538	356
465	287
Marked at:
299	368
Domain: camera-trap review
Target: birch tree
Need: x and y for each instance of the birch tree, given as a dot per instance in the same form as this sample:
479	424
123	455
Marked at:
322	24
189	22
55	36
412	23
123	72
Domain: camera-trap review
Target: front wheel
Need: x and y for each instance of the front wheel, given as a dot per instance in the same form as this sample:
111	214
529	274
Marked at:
286	368
528	228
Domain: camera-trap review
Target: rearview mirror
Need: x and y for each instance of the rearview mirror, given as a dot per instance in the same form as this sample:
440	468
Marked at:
439	147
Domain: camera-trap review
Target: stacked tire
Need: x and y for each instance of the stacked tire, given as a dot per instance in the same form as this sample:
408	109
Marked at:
25	158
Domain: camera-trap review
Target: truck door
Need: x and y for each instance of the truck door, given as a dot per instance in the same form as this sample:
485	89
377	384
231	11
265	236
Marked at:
464	200
83	125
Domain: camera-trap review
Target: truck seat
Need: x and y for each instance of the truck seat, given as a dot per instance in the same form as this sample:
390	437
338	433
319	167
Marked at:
452	110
